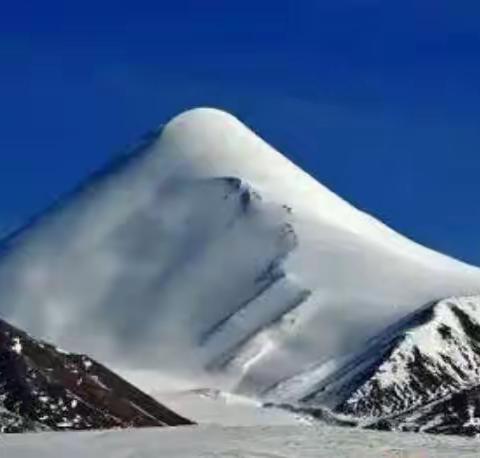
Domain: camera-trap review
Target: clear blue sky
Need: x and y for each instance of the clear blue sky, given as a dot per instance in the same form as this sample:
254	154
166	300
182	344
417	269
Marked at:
379	100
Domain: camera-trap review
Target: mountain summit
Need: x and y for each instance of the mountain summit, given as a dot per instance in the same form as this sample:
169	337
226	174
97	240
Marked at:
205	251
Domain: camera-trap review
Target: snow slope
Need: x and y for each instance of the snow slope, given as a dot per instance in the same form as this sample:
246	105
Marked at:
245	442
206	252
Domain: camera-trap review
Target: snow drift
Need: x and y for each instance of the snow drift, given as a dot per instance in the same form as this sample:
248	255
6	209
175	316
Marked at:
205	251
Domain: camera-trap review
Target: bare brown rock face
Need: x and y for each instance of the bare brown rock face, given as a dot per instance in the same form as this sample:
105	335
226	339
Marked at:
43	388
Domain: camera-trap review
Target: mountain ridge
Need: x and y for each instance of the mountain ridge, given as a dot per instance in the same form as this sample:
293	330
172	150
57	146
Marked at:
421	375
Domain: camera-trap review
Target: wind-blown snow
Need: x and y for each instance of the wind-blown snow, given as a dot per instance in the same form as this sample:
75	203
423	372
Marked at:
207	251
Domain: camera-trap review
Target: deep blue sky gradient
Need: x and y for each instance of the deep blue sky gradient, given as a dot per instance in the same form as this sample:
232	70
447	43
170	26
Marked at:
378	100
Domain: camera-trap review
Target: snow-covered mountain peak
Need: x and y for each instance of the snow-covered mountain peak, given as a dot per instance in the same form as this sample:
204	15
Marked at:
208	252
206	142
211	142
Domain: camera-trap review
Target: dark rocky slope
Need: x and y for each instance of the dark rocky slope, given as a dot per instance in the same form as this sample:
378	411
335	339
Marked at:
43	388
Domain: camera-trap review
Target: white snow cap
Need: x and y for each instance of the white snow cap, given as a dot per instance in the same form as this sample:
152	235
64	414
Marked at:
211	253
211	142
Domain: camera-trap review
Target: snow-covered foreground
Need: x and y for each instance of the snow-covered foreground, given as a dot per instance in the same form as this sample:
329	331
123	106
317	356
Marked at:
236	442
